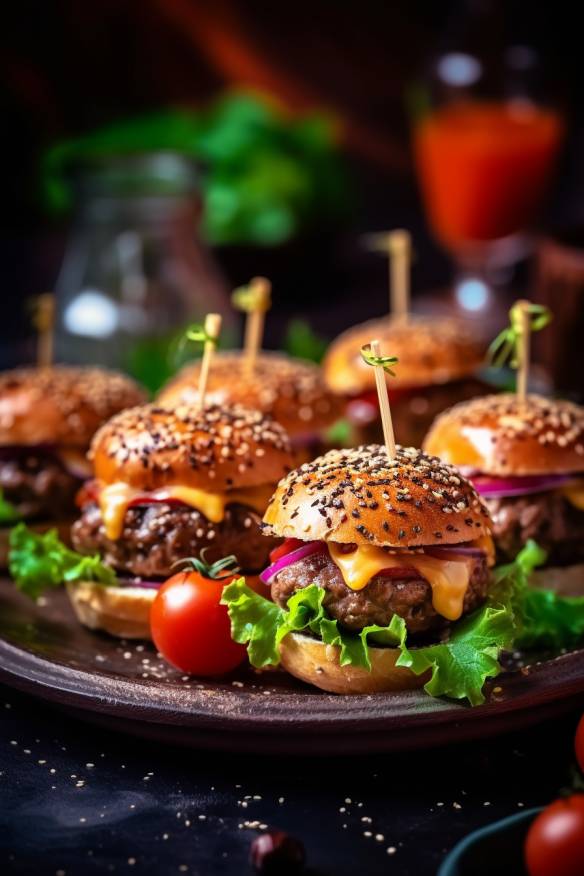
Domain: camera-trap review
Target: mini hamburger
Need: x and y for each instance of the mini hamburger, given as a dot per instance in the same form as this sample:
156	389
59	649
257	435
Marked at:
48	417
439	360
376	540
291	391
170	484
526	459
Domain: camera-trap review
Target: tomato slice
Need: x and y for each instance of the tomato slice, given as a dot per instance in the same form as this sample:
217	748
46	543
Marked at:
287	546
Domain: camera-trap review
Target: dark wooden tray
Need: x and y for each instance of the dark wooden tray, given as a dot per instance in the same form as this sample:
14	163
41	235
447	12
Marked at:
44	651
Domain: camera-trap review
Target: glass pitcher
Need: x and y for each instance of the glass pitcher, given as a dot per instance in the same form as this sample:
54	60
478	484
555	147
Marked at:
135	271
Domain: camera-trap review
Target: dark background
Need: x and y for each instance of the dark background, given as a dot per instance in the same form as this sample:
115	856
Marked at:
67	67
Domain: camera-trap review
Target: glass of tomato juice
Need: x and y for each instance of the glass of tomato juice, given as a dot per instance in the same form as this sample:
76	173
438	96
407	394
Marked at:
484	160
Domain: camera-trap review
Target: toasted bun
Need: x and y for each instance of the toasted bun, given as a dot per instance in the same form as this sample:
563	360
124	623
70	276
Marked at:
430	351
61	405
119	611
63	528
499	435
316	663
361	496
216	449
291	391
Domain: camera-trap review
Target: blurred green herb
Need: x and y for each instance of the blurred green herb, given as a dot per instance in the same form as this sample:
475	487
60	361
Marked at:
268	175
8	513
303	342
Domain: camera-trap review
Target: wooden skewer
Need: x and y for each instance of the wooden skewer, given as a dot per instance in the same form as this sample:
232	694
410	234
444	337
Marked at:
399	250
384	407
523	351
212	329
261	289
45	326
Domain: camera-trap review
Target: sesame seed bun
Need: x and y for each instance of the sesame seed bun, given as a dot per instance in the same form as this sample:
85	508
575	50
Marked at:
430	351
119	611
316	663
291	391
498	435
61	405
216	449
361	496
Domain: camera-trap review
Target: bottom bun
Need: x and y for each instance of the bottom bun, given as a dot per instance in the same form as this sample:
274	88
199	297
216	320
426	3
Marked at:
312	661
565	580
119	611
63	528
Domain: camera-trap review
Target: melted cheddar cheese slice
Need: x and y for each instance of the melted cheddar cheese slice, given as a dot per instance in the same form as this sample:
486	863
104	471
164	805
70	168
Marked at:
574	493
448	579
114	500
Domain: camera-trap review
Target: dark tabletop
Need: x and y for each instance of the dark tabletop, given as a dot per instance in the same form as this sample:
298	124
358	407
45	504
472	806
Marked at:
79	800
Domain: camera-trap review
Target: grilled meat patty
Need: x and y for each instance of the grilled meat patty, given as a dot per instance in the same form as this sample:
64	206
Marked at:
157	535
549	518
38	485
384	596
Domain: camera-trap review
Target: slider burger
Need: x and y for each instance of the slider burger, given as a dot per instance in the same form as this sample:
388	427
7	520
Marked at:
381	538
170	484
526	459
438	362
291	391
47	419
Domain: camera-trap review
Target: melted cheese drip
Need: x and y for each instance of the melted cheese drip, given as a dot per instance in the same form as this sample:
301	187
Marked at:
114	500
447	578
574	493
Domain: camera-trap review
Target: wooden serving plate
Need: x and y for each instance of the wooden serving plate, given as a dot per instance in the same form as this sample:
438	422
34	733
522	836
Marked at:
126	685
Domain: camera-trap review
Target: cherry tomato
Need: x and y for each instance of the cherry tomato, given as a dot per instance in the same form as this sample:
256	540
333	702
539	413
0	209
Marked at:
191	629
287	546
555	841
579	744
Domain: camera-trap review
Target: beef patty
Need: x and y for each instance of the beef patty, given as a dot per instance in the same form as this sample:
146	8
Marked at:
156	536
38	485
410	598
549	518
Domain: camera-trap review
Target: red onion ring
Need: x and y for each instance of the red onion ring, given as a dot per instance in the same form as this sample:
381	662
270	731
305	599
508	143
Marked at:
306	550
140	583
501	488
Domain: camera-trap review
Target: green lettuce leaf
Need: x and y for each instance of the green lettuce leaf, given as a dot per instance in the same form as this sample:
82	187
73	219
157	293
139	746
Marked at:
542	618
460	666
8	513
261	625
39	562
550	621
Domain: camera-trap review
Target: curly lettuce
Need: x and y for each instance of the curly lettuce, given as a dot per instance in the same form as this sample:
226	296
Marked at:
458	668
515	615
40	562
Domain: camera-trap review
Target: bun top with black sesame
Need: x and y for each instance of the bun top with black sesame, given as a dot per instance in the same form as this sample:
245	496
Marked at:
430	351
291	391
501	435
360	496
213	449
61	405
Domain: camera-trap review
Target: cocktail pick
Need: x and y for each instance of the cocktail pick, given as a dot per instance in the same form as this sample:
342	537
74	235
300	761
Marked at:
371	354
208	335
513	345
254	300
44	322
398	246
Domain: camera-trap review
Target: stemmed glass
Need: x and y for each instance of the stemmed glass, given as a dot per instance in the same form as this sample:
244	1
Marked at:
485	145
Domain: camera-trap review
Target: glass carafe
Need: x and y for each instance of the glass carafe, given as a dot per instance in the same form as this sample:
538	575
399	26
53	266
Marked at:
135	271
